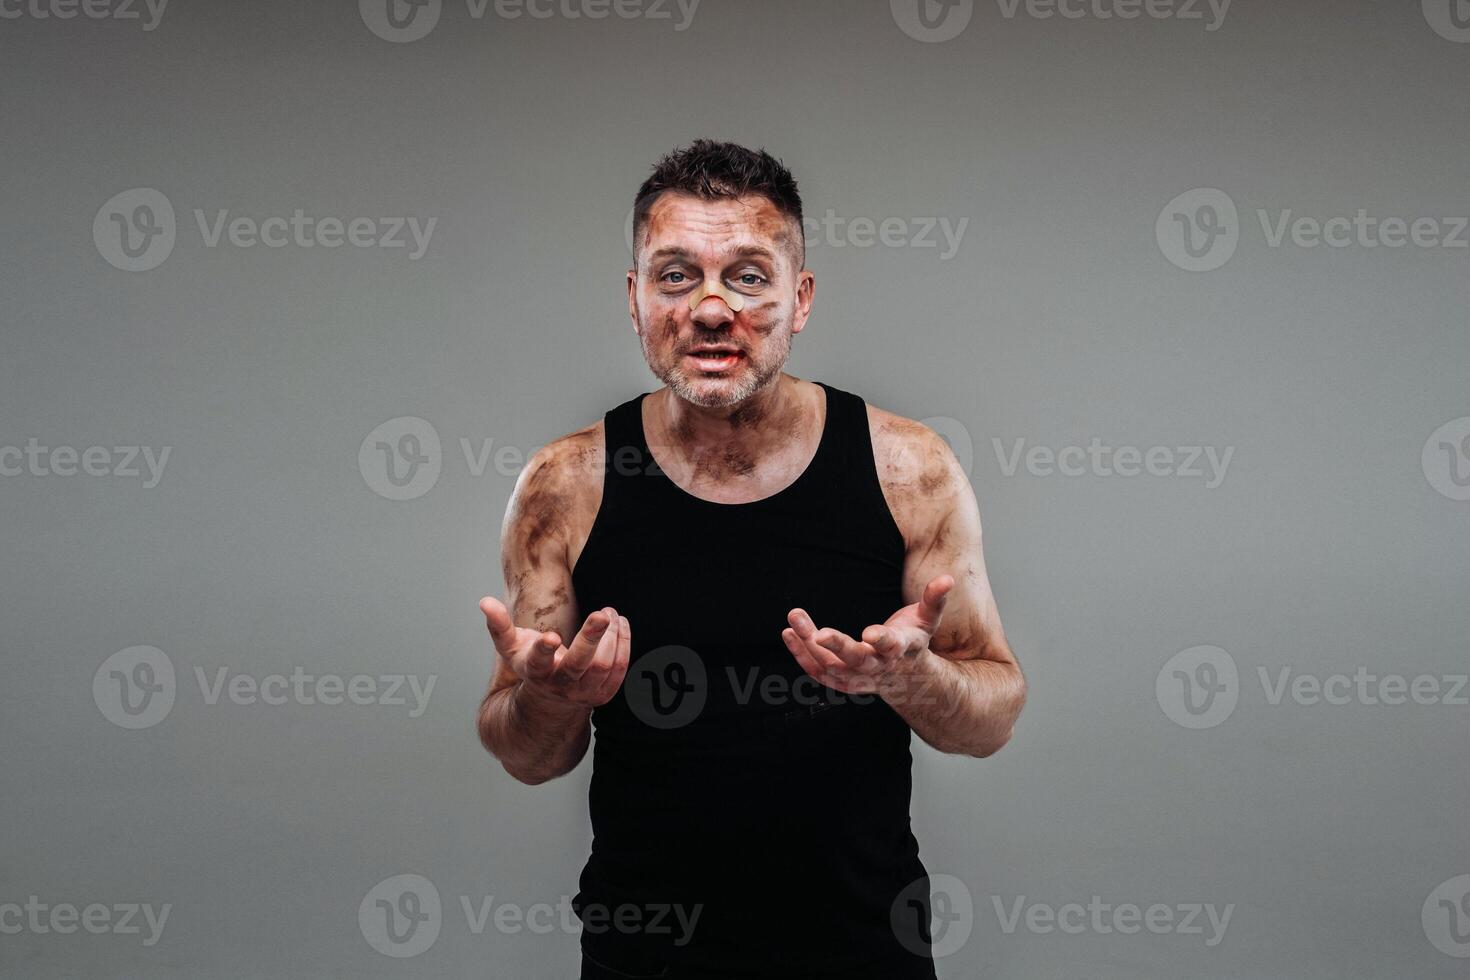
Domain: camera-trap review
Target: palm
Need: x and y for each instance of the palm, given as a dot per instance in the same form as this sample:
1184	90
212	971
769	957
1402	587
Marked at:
589	672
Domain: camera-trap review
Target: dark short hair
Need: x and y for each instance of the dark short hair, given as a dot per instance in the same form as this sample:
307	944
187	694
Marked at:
711	169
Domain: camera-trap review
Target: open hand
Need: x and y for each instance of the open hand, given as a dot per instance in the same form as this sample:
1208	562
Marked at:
587	673
882	658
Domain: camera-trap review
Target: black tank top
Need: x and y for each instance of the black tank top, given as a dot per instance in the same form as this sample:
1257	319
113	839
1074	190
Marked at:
725	781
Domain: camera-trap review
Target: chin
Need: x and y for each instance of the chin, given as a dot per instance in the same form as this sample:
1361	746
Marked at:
707	392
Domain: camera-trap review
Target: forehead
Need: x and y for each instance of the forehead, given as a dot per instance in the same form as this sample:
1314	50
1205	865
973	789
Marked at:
704	225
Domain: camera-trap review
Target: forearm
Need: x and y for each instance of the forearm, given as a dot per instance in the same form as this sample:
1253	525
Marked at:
966	707
534	737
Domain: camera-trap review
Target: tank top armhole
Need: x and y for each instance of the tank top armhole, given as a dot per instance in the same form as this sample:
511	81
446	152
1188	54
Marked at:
865	461
614	431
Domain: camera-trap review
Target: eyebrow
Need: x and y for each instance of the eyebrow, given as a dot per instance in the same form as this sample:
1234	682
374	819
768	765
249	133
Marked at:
673	251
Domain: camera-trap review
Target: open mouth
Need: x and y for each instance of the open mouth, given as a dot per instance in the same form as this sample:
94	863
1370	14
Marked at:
715	359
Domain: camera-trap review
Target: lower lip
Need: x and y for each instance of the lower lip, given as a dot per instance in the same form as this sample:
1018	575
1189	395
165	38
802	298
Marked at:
715	365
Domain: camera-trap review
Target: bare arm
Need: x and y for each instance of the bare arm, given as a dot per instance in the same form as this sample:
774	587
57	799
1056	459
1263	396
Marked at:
535	716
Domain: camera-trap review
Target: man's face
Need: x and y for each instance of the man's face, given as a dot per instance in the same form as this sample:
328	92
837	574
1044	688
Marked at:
713	356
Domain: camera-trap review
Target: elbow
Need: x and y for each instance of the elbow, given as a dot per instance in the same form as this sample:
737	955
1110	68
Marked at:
1012	712
987	749
528	777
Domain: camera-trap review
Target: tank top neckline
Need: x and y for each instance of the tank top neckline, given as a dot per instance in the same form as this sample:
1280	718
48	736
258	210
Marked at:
809	473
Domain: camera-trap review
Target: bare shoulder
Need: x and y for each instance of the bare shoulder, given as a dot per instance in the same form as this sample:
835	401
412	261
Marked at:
922	480
555	500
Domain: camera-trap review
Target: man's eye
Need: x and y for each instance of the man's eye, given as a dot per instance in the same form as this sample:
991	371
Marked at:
674	277
751	279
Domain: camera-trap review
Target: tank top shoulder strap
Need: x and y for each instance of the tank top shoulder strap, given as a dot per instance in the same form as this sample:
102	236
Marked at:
847	440
624	443
848	445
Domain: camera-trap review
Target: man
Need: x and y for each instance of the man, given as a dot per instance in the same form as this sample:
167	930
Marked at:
790	581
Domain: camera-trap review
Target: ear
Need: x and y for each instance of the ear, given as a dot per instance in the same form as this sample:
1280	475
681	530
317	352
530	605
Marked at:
633	298
805	286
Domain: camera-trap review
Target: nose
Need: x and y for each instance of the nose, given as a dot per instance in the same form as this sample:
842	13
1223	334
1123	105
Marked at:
712	313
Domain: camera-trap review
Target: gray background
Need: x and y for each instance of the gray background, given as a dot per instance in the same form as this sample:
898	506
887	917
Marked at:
266	548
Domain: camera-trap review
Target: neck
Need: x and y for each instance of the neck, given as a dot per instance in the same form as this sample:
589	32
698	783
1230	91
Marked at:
768	419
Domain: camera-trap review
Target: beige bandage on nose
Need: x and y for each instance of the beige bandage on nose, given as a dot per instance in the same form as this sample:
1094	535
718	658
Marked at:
735	301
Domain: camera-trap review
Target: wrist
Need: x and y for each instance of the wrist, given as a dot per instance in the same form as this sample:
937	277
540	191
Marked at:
911	677
531	699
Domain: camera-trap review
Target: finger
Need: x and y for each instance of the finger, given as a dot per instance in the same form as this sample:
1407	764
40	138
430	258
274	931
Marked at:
540	660
607	646
823	660
578	657
884	641
498	621
856	656
931	603
801	623
619	668
798	649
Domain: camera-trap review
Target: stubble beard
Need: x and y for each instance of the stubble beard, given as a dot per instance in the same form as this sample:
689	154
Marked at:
691	385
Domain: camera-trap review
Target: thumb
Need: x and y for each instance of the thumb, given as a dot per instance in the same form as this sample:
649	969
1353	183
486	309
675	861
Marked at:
498	621
931	603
